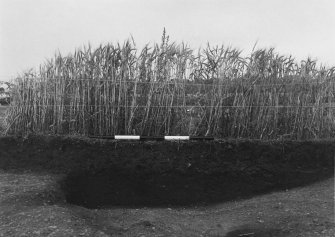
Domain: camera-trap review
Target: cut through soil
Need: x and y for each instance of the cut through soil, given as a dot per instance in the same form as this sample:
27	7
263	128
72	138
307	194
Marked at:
115	187
107	173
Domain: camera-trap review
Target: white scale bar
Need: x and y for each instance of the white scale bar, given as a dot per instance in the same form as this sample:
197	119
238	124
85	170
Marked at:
126	137
176	137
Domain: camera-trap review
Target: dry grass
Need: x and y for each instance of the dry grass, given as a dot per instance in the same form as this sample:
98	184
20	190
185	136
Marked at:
169	89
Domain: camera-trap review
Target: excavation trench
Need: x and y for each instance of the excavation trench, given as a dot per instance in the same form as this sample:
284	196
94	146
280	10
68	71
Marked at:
115	187
101	173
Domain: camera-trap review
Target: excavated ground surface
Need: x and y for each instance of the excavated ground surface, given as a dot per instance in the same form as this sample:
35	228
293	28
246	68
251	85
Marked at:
33	205
54	186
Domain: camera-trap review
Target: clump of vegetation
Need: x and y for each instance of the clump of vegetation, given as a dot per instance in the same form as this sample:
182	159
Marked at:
169	89
5	92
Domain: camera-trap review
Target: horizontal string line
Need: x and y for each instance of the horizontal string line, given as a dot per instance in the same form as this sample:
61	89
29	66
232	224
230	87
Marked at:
176	106
189	83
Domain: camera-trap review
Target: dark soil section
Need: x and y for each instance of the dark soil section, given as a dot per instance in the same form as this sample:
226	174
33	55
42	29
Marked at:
109	173
112	187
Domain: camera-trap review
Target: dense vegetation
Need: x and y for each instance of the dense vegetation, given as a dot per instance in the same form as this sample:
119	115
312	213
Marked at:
170	89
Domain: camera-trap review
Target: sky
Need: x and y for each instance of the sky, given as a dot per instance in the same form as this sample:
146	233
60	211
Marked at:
32	31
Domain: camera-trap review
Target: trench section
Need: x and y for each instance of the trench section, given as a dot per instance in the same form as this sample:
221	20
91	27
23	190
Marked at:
100	173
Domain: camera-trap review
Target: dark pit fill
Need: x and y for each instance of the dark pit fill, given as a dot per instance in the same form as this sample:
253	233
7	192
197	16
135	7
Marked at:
116	187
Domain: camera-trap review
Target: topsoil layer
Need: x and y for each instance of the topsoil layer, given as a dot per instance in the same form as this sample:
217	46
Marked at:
104	173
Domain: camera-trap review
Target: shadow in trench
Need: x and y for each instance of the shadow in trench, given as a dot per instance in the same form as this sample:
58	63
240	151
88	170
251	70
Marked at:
117	187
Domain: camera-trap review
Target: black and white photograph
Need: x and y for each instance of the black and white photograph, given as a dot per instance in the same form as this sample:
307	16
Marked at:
159	118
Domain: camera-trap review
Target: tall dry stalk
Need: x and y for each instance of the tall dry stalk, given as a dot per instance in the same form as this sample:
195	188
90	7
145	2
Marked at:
168	89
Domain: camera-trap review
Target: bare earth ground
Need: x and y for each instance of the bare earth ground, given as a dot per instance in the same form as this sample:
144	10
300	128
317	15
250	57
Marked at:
32	204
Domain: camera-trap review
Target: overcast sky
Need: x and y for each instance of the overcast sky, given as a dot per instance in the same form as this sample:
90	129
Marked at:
33	30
